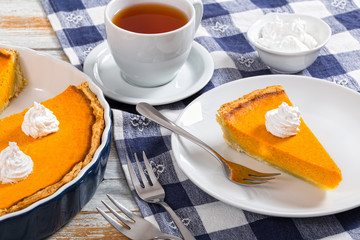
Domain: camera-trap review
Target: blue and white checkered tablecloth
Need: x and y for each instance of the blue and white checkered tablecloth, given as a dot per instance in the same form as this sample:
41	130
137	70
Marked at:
80	28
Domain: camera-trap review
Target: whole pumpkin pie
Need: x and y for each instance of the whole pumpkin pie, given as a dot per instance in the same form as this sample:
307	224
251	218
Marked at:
302	155
58	157
12	80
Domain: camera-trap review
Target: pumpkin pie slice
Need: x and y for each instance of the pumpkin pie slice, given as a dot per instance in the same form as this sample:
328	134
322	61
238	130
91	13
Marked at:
302	155
58	157
12	80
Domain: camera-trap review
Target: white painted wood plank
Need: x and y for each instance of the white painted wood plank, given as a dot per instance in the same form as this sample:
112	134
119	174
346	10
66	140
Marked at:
29	37
114	183
21	8
24	23
88	226
116	188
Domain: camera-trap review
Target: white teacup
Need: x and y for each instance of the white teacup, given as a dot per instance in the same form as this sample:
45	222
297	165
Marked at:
150	60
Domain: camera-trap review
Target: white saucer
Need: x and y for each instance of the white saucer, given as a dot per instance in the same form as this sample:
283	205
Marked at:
192	77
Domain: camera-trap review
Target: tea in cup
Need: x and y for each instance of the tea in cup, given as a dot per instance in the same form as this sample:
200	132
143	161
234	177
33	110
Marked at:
150	40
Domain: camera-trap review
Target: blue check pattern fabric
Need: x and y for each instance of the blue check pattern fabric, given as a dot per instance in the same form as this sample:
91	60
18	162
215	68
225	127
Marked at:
79	26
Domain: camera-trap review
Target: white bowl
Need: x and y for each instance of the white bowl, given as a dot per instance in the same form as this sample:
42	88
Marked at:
290	62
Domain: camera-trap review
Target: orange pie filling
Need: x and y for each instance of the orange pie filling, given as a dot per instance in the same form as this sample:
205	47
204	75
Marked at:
302	155
58	157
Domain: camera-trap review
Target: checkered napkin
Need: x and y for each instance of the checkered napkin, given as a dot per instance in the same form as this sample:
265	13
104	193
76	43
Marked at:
79	27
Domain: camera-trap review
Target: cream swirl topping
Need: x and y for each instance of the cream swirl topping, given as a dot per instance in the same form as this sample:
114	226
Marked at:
284	121
287	36
39	121
14	164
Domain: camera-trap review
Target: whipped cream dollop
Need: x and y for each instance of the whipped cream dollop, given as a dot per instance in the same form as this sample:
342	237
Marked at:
285	36
283	121
39	121
14	164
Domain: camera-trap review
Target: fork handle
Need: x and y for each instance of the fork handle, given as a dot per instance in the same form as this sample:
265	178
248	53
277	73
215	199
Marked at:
150	112
183	230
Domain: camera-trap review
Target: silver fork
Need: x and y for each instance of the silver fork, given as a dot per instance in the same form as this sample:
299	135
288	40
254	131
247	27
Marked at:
135	227
153	192
234	172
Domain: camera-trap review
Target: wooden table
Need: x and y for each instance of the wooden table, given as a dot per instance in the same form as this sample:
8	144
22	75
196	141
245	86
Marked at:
24	23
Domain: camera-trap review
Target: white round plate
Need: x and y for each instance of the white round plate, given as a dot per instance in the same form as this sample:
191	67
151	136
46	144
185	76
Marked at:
192	77
331	111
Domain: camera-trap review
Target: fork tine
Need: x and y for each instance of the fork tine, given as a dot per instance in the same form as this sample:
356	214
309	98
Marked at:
133	176
126	211
141	171
150	170
254	179
251	182
244	171
125	221
252	173
114	223
260	175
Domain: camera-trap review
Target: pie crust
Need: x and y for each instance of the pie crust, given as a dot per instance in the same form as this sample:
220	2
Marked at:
94	117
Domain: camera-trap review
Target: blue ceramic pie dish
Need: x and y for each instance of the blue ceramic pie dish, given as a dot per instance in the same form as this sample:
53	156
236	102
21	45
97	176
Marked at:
47	77
44	219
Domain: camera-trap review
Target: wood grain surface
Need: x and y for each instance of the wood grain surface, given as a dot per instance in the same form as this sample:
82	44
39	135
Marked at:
24	23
